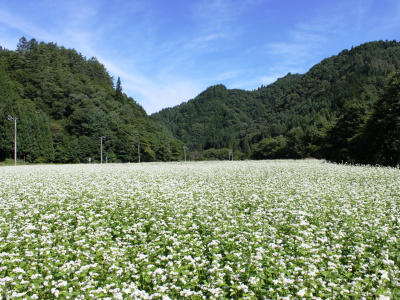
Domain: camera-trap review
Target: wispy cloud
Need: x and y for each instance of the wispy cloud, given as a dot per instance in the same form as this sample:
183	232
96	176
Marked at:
214	15
167	52
305	42
13	24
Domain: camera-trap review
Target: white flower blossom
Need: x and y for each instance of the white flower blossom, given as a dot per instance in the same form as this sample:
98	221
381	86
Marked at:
199	230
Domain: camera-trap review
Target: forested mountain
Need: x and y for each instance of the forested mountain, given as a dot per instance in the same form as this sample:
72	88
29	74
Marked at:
323	113
64	103
345	108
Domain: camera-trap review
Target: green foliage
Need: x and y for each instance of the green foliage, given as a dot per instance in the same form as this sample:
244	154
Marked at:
383	128
341	143
271	148
64	103
320	113
368	135
339	110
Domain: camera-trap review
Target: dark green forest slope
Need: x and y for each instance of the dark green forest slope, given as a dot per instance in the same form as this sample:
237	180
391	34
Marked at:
324	113
345	108
65	102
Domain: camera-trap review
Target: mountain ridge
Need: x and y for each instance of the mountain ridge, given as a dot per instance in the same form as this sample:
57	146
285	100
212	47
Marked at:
294	112
66	104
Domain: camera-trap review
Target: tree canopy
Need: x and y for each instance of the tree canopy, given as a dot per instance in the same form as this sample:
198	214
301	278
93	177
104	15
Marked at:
65	102
344	109
321	113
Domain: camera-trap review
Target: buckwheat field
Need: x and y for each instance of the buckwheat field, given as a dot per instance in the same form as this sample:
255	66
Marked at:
200	230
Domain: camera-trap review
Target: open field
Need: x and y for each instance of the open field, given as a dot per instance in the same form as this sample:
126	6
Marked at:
204	230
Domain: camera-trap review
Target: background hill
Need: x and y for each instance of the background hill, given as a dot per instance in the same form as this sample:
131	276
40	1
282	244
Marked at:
345	108
65	102
316	114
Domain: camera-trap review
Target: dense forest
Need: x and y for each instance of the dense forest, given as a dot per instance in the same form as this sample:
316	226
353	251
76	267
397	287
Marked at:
64	103
344	109
338	110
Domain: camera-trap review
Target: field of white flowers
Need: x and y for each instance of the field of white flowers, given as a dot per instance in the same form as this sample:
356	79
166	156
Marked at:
200	230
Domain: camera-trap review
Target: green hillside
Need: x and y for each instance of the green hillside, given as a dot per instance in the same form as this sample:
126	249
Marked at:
65	103
344	109
295	117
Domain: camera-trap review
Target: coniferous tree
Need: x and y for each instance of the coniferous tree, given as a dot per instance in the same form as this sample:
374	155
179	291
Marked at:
118	91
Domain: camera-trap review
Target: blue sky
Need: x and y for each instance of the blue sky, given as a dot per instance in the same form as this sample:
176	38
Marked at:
167	52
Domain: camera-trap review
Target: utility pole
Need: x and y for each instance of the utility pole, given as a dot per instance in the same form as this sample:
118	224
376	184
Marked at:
184	148
138	147
230	151
101	148
15	137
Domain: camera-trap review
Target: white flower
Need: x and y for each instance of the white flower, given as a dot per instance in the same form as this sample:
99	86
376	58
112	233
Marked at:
385	275
55	292
30	227
17	295
302	292
18	270
62	283
243	287
254	281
